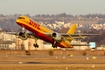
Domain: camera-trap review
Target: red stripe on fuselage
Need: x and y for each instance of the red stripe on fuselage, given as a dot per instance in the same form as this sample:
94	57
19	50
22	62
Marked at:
40	35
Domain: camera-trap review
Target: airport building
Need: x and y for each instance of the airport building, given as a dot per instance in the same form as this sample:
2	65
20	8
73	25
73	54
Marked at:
79	47
7	41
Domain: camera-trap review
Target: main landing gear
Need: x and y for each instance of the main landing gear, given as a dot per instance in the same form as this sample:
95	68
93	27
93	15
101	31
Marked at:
36	45
54	45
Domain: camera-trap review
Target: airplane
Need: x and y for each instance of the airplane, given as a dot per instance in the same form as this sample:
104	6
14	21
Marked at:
62	40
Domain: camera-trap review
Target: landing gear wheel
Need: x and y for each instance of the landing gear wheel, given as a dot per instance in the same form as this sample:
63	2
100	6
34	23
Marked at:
54	46
36	45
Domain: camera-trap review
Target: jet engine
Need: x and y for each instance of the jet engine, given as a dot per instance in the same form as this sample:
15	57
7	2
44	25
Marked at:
23	35
56	36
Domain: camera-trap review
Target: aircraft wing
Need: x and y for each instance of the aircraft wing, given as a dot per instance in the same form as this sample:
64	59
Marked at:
66	36
78	35
29	34
12	33
70	36
16	33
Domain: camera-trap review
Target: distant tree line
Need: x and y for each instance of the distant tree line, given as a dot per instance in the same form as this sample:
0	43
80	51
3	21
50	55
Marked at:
72	16
59	15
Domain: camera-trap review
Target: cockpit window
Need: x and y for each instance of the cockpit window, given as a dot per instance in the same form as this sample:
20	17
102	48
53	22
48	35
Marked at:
21	18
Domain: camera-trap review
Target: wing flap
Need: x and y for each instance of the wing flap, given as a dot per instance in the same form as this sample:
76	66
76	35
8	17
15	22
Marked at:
78	35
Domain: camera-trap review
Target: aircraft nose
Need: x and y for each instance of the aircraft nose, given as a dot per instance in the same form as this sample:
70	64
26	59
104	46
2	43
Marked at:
17	20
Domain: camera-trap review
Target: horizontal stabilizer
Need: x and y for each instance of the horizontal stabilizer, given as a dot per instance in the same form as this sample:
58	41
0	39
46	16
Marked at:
80	44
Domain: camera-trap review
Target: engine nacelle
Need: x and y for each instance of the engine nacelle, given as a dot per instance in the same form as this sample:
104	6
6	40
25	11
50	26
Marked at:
56	36
23	35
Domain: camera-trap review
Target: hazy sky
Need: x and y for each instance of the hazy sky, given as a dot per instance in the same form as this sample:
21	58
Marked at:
33	7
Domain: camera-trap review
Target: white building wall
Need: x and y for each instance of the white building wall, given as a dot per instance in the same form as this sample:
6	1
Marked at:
79	47
6	37
31	42
47	46
40	43
25	42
